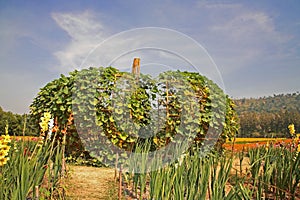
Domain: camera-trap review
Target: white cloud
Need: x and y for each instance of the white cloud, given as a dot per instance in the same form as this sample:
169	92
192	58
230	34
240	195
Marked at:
90	46
240	37
217	5
237	37
249	48
79	26
251	25
85	32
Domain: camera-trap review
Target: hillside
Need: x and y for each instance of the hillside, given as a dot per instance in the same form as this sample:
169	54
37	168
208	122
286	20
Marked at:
268	116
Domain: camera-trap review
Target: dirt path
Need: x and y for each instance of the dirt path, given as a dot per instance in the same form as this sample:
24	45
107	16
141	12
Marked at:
90	183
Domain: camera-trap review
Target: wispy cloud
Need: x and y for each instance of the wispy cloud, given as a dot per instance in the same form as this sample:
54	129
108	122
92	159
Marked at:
217	5
240	36
250	26
90	45
85	32
237	36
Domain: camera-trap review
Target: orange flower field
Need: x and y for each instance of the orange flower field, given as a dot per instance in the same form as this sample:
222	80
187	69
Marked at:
249	143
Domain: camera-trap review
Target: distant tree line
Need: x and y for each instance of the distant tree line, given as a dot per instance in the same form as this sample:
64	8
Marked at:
268	116
16	124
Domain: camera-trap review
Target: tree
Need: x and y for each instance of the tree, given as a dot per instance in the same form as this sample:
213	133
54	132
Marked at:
15	124
269	116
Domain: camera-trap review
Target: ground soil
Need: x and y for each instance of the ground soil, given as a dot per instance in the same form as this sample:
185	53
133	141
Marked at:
90	183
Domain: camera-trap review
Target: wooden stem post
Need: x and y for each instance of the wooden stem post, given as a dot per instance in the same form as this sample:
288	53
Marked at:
136	67
116	167
136	72
37	195
120	183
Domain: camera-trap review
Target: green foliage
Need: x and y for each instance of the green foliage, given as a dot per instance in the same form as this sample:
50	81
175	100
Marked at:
275	103
119	109
272	173
275	170
56	98
29	164
16	124
191	176
268	116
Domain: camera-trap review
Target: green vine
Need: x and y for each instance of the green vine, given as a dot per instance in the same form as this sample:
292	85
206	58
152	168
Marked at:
121	109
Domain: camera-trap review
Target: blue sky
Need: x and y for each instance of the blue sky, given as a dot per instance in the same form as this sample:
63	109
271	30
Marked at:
255	44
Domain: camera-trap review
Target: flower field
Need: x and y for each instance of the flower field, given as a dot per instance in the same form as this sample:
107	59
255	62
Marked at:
241	144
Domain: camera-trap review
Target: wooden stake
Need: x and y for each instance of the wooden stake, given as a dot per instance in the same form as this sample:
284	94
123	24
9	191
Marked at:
63	164
116	167
135	71
136	67
37	193
120	183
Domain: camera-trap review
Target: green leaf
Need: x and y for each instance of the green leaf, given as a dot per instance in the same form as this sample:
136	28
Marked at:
62	108
111	119
130	140
119	111
59	101
123	136
66	91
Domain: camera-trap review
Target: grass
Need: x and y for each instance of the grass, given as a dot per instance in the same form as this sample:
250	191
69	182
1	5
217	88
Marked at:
271	172
33	170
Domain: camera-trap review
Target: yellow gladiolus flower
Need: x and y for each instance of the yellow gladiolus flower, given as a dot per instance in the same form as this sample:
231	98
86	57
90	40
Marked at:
298	148
267	146
3	154
47	116
5	148
44	122
5	139
3	161
291	128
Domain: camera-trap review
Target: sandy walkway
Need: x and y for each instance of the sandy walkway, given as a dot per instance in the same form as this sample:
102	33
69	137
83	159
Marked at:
90	183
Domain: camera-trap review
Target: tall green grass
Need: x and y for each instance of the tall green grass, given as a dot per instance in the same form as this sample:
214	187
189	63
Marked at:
191	176
273	173
31	165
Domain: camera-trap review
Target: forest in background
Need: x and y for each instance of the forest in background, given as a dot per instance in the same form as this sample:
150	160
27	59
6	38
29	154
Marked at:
268	116
16	124
259	117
